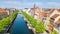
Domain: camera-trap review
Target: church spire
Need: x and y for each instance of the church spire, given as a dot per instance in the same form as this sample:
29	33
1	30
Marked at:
34	5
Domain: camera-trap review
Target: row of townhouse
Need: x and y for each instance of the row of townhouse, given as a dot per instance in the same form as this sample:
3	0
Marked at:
50	17
53	20
5	13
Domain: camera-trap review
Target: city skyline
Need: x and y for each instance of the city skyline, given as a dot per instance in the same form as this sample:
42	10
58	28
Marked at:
29	3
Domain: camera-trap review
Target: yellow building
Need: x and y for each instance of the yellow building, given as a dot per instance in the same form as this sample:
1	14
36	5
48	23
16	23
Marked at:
49	24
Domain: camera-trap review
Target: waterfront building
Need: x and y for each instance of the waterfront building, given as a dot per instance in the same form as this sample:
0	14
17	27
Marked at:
54	20
3	13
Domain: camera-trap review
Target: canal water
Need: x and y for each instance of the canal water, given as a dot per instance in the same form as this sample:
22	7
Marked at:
19	26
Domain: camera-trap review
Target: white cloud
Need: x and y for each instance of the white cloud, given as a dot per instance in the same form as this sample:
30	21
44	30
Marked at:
19	4
28	4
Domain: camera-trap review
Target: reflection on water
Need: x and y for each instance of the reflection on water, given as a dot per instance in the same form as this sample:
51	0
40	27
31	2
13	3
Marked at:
19	26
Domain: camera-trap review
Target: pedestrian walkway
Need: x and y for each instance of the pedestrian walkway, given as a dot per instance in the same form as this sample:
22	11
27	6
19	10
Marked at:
45	32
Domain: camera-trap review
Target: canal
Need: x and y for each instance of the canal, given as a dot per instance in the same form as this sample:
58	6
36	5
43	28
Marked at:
19	26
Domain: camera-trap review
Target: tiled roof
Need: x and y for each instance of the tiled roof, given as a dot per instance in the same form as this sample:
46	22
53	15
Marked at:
54	16
43	13
36	9
58	21
29	11
50	11
2	10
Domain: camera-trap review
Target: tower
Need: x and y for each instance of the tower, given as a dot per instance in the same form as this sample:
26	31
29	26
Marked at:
34	5
34	8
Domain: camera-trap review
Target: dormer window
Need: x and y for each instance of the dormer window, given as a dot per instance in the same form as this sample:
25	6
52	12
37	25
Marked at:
35	14
52	20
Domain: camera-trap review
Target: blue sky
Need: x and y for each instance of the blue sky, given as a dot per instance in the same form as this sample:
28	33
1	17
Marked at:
29	3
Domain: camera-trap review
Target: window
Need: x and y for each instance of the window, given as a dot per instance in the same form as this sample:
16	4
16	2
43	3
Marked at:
35	14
